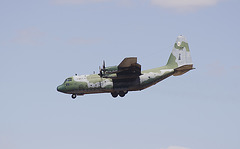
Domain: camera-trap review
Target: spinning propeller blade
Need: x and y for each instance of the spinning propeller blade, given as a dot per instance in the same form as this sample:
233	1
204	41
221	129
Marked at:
104	65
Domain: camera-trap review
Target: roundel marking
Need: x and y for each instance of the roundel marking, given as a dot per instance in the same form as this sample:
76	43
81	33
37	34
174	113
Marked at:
179	43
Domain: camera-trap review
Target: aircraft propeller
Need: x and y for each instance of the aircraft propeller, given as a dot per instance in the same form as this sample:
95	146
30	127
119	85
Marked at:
104	65
102	70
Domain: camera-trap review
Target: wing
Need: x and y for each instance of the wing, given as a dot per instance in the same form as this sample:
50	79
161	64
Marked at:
127	62
128	68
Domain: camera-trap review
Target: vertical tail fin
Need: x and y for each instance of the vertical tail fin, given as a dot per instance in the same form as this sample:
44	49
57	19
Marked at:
180	59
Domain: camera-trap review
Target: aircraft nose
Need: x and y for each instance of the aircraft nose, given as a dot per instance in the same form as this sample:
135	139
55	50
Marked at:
60	88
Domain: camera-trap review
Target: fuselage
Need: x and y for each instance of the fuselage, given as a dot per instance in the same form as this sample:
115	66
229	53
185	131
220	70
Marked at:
89	84
127	76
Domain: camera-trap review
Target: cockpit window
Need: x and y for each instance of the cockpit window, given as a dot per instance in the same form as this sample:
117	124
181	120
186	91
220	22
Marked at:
68	80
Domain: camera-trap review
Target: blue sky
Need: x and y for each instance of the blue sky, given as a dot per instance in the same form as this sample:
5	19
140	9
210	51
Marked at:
44	42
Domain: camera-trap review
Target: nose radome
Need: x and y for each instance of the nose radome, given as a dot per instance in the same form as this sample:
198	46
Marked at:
60	88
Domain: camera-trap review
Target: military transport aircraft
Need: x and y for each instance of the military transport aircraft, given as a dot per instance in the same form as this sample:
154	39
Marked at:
127	76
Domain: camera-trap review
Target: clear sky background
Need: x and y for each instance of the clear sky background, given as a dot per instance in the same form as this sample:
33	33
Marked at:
44	42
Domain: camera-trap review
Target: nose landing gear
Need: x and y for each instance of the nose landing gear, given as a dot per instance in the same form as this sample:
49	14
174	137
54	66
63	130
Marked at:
74	96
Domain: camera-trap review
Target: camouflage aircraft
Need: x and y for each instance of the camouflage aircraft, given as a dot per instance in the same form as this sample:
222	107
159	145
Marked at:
127	76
